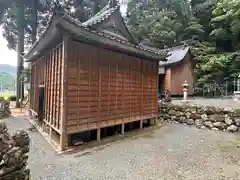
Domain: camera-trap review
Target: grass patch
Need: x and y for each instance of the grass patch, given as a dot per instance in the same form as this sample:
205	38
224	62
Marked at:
7	94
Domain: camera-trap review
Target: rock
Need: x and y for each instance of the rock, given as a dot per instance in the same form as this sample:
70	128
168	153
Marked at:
195	116
217	118
204	117
208	124
237	112
182	119
227	110
4	108
219	125
215	129
188	114
174	118
198	122
190	121
214	118
178	114
13	154
209	110
228	120
232	128
237	121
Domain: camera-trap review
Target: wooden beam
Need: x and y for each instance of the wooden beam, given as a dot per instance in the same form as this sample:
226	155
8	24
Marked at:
156	69
123	128
99	98
63	136
142	92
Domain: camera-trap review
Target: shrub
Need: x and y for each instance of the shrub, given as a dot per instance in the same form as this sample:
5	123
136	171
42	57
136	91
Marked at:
12	98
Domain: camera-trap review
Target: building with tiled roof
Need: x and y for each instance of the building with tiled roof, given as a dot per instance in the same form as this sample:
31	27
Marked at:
91	75
177	69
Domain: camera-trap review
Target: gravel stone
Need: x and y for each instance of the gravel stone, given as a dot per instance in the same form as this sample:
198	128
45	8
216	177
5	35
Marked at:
219	125
237	121
173	152
190	122
228	120
208	124
232	128
215	129
204	117
198	122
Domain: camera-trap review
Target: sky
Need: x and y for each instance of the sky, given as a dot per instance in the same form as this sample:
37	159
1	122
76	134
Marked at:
10	56
6	56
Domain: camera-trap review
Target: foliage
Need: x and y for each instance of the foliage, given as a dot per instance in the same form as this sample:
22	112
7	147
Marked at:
81	9
210	27
7	81
24	21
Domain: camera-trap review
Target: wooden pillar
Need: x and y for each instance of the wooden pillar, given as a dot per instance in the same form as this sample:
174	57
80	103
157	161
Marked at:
141	124
123	127
63	135
157	110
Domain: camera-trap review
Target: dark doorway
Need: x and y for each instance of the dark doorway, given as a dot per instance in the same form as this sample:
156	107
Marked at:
41	103
161	78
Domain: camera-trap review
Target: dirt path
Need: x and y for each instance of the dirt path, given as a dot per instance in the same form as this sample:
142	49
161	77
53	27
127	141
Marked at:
171	152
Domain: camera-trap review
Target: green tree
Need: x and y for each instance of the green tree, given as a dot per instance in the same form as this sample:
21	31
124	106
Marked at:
210	27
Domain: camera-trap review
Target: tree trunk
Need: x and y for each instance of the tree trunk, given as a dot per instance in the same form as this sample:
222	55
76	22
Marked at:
34	25
20	50
34	21
2	10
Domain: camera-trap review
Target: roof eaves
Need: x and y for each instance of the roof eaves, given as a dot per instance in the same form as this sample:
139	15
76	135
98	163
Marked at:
69	18
42	36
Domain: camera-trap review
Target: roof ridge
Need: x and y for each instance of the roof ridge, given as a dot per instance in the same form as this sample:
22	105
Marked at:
105	13
112	37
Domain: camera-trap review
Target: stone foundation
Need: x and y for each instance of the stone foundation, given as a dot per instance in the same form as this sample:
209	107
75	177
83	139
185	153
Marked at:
4	108
202	117
13	154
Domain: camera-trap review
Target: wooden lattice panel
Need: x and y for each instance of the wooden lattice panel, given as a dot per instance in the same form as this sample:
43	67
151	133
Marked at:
48	71
106	88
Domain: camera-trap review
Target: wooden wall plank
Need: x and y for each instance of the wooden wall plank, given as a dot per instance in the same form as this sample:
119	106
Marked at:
110	88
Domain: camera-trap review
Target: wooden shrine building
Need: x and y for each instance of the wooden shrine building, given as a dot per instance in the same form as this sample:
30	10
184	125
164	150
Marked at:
178	68
91	75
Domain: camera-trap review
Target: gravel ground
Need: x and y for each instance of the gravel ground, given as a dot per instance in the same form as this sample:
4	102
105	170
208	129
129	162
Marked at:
173	151
229	102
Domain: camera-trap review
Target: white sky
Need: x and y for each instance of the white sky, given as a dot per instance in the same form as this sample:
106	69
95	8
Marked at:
6	56
10	56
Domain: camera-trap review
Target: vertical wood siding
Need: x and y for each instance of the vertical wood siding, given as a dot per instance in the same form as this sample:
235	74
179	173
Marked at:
48	71
106	88
179	74
167	80
37	79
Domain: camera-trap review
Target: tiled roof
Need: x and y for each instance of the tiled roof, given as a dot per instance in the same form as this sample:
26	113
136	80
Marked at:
104	14
114	38
175	55
99	17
